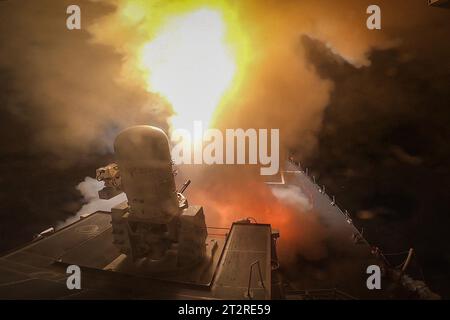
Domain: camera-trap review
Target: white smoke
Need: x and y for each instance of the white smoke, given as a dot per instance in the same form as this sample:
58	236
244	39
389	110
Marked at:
294	196
89	188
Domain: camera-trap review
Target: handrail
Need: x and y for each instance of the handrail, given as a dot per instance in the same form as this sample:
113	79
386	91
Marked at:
249	294
346	215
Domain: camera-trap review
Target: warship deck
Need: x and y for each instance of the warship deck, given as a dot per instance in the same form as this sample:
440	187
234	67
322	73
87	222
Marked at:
38	270
342	273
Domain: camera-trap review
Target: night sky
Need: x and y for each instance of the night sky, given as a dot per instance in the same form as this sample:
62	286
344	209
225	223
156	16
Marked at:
380	142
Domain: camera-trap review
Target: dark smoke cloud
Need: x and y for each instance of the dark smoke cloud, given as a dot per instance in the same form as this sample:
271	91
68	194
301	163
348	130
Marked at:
383	147
60	107
366	109
64	88
75	103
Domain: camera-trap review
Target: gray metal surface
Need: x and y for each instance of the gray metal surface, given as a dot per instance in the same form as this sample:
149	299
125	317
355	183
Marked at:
247	244
37	270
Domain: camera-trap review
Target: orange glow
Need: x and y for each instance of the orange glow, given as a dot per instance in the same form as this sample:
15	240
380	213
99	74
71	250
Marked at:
239	198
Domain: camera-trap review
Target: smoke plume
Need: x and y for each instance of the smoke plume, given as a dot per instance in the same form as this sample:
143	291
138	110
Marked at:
77	89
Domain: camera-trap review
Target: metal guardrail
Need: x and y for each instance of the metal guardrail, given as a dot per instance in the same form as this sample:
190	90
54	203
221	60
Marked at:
320	293
332	200
249	290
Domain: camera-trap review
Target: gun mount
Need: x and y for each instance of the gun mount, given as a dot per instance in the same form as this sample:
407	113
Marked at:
155	244
156	227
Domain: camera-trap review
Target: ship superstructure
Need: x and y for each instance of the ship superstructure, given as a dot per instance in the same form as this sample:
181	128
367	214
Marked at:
156	245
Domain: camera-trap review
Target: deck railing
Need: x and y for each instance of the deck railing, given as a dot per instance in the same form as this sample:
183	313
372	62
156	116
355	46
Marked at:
332	200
